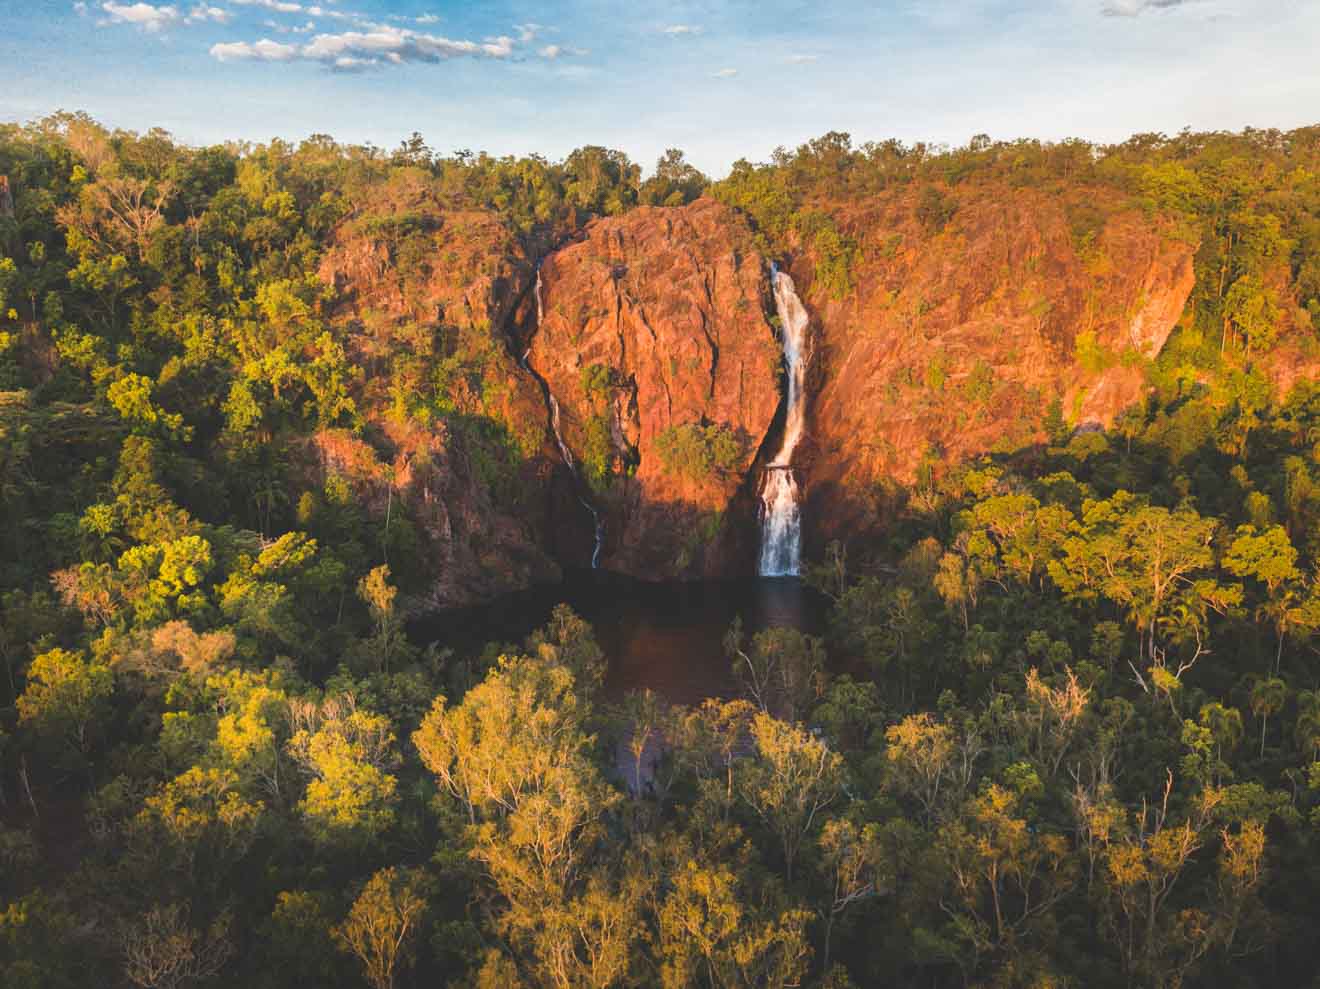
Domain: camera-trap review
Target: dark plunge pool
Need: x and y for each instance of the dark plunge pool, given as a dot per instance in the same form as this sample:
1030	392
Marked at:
668	636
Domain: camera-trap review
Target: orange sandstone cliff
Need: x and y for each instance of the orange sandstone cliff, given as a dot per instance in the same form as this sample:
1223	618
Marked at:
946	340
416	279
657	321
953	342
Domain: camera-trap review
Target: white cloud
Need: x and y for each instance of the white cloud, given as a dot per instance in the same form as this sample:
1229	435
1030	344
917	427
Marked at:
726	73
678	30
383	45
144	15
279	28
347	63
202	13
264	50
527	32
554	51
280	6
803	59
428	19
1133	8
80	7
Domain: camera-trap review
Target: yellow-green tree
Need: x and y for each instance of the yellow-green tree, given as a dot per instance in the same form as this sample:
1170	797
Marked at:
1006	873
709	934
66	696
791	780
509	734
382	923
347	753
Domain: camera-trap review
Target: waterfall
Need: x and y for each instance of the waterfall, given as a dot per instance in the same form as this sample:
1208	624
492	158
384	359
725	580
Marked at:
781	513
564	451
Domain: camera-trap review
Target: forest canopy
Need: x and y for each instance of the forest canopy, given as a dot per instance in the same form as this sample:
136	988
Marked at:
1063	728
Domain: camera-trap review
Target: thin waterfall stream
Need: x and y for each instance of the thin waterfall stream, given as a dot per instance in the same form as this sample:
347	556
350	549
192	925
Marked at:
552	403
781	510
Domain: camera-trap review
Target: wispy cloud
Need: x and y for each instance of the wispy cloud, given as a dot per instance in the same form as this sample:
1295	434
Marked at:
383	45
726	73
428	19
264	50
1134	8
281	6
803	59
279	28
202	13
554	51
143	15
679	30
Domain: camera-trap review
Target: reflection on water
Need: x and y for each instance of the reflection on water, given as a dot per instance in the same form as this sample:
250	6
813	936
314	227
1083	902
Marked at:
668	637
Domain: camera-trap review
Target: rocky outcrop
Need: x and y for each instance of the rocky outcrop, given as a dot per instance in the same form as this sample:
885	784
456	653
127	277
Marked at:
655	324
953	342
474	548
425	294
655	334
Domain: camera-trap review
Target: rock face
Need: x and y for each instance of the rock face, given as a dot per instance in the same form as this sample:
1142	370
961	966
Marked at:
655	335
655	323
423	285
474	548
953	342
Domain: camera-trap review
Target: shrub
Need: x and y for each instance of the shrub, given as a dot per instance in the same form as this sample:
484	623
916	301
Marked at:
699	452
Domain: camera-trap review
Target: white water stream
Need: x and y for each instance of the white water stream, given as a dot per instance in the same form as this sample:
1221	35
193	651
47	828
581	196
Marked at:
781	512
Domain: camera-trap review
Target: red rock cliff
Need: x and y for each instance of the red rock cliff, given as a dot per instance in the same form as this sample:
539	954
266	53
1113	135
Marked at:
655	335
953	342
654	322
422	287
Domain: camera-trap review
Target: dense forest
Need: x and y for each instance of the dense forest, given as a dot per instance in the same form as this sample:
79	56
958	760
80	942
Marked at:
1063	728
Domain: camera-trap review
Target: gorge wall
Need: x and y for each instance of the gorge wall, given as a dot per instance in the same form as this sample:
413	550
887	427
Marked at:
954	340
653	326
442	285
657	336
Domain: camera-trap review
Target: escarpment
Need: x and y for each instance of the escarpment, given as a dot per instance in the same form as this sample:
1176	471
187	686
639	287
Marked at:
955	336
453	440
655	342
650	344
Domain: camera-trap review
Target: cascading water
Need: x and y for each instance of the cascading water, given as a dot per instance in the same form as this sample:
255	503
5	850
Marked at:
564	451
781	513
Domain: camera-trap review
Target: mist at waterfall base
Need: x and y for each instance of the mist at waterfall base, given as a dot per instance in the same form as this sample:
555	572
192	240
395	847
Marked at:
667	637
781	511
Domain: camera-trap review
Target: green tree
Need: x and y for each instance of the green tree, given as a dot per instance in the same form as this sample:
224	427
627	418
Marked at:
509	734
1154	563
346	752
781	672
378	594
1268	557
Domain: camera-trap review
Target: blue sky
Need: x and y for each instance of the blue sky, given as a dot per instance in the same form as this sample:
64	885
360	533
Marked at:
721	79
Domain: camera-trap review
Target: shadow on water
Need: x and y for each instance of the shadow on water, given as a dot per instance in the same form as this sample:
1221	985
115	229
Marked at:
668	637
